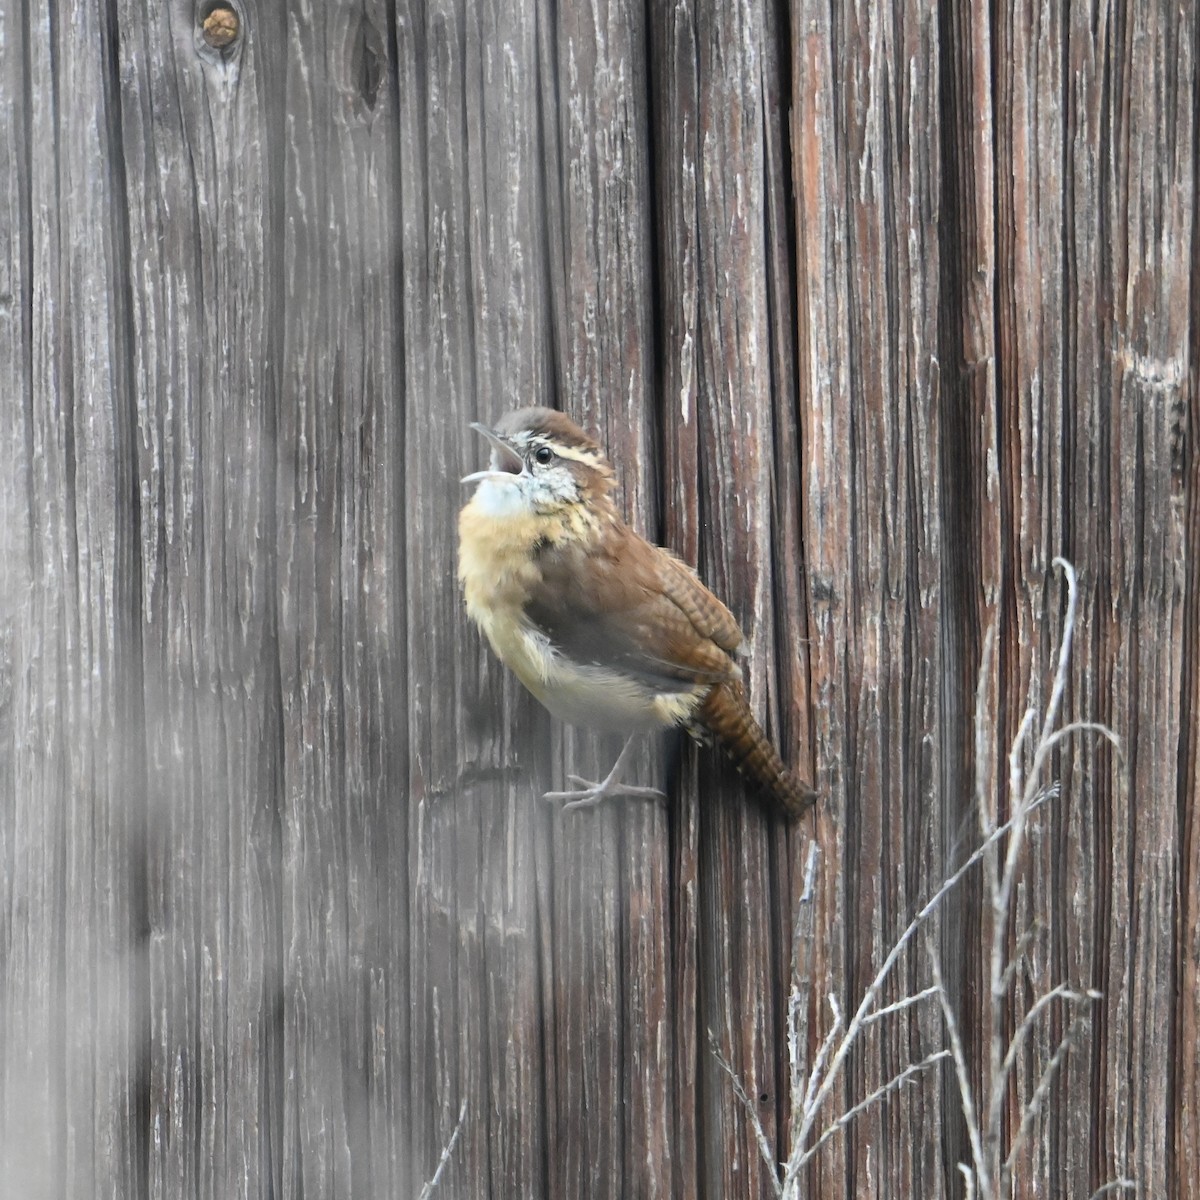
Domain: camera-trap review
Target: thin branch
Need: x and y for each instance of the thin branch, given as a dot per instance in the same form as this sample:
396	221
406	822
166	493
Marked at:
963	1075
812	1097
1050	738
447	1150
872	992
1061	992
1001	881
1085	727
987	819
801	989
1034	1105
1002	891
1020	950
1117	1185
1000	1078
1064	654
969	1177
850	1113
760	1134
907	1002
795	1069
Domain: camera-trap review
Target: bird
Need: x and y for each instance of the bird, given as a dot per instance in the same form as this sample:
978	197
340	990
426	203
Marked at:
605	629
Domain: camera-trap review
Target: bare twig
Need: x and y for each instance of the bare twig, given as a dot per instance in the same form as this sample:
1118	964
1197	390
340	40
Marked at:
447	1151
1060	992
969	1176
1086	727
1117	1185
899	1005
1034	1105
878	1094
876	985
800	992
988	1175
751	1109
1019	952
962	1073
815	1076
983	756
991	1172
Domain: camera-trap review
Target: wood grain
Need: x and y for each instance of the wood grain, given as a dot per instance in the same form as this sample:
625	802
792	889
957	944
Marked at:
206	360
876	308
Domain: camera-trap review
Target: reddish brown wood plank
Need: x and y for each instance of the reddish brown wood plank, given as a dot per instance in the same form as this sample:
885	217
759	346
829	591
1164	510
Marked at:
822	306
674	99
1149	208
971	517
734	453
1030	344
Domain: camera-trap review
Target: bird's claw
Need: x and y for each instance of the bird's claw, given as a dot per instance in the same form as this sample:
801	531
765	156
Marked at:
587	793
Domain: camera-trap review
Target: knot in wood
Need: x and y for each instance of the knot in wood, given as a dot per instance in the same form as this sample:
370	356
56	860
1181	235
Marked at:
220	27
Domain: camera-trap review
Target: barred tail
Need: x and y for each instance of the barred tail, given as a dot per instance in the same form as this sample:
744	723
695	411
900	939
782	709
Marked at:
727	716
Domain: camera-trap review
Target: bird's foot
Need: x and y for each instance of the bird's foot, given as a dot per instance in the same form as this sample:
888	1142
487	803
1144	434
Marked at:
587	793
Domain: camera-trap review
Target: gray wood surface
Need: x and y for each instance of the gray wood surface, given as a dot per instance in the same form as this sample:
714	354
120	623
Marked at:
877	309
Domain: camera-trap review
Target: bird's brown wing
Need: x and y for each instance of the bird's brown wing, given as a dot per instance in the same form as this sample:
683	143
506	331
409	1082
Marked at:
627	605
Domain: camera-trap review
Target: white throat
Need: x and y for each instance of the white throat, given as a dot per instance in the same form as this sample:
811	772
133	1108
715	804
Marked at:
499	498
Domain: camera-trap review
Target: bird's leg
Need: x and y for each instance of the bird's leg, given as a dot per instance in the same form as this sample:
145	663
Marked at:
588	793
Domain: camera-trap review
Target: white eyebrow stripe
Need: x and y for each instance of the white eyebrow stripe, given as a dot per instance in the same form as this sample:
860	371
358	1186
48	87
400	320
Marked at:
587	457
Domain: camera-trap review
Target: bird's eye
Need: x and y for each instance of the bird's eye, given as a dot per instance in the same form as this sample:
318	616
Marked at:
543	454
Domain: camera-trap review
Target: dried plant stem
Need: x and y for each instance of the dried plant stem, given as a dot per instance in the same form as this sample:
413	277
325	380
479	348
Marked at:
908	1001
989	1175
447	1151
1117	1185
800	992
962	1073
878	1094
876	986
1034	1105
748	1105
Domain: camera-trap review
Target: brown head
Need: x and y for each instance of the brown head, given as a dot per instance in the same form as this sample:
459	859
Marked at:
542	462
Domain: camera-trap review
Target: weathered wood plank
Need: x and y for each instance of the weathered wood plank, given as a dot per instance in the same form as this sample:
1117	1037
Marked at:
1148	206
74	977
25	998
894	637
879	440
278	894
1185	1079
823	379
445	855
341	643
674	102
476	336
19	1111
609	952
1085	387
198	129
1030	330
511	314
971	517
734	404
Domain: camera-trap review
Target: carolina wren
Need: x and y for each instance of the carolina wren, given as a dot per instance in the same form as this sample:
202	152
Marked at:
603	628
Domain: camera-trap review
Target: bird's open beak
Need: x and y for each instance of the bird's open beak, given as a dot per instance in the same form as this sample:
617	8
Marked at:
506	462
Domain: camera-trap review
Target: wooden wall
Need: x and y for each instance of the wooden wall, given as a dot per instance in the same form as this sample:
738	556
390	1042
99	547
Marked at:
878	306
